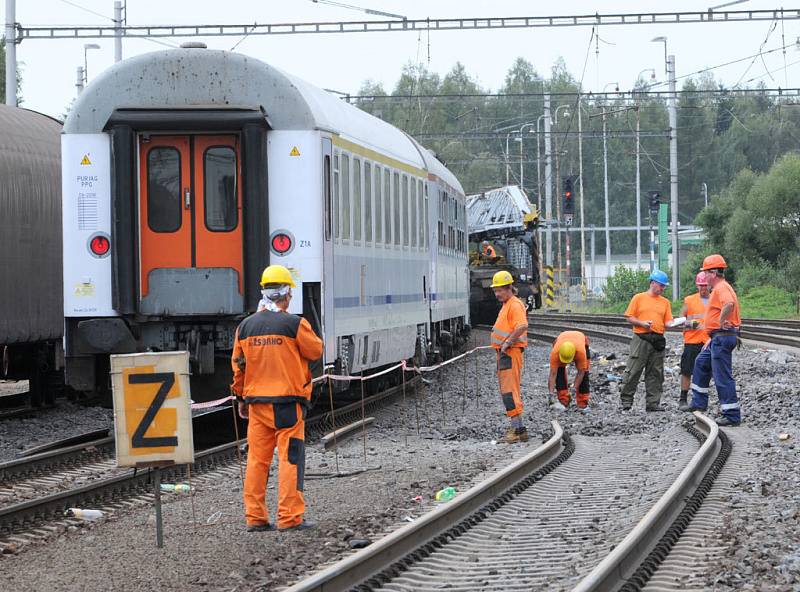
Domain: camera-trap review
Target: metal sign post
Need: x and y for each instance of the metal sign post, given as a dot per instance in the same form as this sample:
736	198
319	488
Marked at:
152	415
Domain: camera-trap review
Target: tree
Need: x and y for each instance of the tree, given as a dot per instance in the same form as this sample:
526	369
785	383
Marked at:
3	74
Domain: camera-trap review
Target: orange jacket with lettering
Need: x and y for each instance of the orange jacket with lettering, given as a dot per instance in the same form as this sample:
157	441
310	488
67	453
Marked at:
695	312
512	315
271	353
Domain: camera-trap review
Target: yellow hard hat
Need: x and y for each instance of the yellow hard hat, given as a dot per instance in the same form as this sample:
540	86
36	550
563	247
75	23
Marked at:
276	274
566	352
502	278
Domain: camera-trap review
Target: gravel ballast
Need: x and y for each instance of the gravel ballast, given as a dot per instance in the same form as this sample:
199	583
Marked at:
455	447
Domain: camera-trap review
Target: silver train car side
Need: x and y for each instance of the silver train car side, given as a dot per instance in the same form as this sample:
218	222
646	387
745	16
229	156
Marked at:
186	172
31	318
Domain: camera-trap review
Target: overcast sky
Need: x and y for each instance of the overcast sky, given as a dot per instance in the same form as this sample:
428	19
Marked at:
344	61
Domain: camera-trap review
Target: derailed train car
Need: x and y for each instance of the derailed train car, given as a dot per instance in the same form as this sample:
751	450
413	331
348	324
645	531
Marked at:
31	322
187	171
505	218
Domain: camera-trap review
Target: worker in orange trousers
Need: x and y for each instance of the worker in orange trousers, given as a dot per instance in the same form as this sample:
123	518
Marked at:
272	383
569	347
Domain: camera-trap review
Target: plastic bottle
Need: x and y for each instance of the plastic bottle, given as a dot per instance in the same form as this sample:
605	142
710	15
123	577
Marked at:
446	494
82	514
177	487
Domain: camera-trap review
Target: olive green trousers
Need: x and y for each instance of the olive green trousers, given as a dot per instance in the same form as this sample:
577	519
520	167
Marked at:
643	358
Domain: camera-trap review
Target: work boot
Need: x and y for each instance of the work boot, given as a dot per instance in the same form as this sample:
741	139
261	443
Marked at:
304	525
626	406
688	407
655	408
514	435
682	400
726	422
584	410
558	406
260	527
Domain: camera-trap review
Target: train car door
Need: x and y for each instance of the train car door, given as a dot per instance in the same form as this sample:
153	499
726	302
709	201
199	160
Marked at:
327	250
190	226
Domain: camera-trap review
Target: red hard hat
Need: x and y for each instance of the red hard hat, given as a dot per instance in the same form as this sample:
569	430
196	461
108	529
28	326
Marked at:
713	262
700	279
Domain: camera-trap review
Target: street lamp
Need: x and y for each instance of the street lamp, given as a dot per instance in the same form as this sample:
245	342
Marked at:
508	157
86	48
662	39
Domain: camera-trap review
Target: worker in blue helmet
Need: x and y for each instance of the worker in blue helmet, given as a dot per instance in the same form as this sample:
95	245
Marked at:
648	313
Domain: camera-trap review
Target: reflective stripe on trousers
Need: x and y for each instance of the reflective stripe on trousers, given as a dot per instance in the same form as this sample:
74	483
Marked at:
715	361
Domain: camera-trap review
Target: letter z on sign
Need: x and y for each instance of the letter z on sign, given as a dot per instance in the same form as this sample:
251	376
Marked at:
152	427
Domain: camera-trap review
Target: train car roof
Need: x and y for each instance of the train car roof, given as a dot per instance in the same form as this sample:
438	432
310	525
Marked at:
497	209
25	131
205	78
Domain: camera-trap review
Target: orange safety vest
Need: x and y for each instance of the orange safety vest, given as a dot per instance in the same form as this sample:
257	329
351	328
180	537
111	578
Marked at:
271	353
695	311
489	251
512	315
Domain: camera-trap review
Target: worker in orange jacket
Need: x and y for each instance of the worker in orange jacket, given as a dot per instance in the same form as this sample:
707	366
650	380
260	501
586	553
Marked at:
488	250
272	383
510	338
694	335
569	347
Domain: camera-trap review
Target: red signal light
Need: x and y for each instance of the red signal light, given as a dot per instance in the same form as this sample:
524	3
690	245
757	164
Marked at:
281	243
568	194
100	245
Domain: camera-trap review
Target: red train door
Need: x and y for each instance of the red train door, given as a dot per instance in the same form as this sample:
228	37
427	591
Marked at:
190	229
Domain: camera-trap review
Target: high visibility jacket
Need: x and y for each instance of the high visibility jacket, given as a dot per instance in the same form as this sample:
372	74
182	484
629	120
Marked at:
581	343
721	295
511	316
271	353
695	312
489	251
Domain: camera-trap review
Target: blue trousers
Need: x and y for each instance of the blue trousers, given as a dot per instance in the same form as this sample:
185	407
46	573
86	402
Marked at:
715	360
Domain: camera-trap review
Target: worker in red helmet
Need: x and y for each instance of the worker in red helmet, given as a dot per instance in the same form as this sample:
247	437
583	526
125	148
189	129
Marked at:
569	347
272	350
722	323
510	338
648	312
694	335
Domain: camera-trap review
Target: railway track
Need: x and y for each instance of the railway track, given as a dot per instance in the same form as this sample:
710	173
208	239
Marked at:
779	332
537	523
36	491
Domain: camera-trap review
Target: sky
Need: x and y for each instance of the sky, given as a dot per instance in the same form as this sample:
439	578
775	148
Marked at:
344	61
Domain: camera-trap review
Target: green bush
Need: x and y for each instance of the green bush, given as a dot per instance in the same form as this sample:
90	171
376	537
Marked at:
768	302
623	284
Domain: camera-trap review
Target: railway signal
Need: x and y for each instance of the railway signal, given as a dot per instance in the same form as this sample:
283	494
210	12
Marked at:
568	192
654	201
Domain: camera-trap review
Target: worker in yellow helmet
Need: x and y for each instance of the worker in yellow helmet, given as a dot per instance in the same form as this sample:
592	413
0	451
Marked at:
510	338
569	347
272	385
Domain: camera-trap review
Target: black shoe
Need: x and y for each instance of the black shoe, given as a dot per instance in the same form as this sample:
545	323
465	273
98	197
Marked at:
304	525
260	527
655	408
688	407
626	407
725	422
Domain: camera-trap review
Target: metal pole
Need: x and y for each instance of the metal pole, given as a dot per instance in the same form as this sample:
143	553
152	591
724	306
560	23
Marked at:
638	195
673	177
508	167
79	80
652	243
548	183
117	31
558	212
580	189
538	174
521	169
593	252
605	191
11	53
705	194
157	493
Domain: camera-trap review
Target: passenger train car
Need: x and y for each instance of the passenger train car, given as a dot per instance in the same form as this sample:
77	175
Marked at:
31	321
187	171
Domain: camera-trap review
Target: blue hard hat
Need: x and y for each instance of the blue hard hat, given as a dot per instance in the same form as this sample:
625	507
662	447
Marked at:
660	277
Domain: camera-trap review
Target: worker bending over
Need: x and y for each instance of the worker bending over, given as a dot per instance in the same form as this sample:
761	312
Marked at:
569	347
509	338
272	384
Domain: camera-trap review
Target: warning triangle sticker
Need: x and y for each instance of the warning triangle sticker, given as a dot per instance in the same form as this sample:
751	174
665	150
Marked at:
85	160
294	152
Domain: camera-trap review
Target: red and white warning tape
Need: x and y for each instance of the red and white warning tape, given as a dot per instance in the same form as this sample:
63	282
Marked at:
339	377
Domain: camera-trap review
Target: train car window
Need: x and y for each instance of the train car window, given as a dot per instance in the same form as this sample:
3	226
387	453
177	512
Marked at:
420	213
219	191
337	206
357	221
406	230
427	236
378	206
367	202
413	226
345	196
396	191
164	189
387	207
326	192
